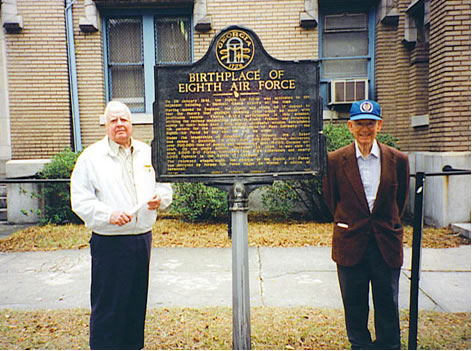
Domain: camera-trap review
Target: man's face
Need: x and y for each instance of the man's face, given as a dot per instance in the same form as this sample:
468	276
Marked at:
365	131
118	126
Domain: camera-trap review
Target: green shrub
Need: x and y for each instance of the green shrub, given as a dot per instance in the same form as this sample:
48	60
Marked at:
388	139
279	199
337	136
56	196
282	197
198	202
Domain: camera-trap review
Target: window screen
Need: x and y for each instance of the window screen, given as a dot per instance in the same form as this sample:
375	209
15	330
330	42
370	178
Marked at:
354	68
344	36
125	61
173	40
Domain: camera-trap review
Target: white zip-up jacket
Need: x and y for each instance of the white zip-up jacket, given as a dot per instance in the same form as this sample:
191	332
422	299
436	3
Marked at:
97	189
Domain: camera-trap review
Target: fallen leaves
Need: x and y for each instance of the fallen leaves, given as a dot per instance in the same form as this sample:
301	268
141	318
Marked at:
169	231
210	328
47	238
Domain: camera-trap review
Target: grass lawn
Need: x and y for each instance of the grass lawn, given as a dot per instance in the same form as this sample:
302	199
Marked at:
211	328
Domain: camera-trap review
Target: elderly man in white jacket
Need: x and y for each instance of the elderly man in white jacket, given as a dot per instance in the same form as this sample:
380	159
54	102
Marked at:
114	191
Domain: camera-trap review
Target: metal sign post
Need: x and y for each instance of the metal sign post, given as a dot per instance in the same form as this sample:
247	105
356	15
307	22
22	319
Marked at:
241	307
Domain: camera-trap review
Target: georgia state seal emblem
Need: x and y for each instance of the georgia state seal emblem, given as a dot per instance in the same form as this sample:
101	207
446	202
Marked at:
235	50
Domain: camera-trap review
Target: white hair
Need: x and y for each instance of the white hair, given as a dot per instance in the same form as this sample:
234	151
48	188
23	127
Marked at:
116	105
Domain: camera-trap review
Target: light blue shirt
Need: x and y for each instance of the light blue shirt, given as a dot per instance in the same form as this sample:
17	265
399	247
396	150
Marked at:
369	169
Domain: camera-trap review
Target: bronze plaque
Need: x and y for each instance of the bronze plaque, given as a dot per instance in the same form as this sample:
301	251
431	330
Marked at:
238	113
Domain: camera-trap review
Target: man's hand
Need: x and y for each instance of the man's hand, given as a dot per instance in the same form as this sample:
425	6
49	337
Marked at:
154	203
120	218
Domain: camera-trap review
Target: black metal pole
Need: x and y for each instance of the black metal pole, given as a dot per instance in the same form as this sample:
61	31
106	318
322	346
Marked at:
415	260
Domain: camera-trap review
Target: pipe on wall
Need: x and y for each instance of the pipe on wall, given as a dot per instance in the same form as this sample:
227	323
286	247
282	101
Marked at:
74	94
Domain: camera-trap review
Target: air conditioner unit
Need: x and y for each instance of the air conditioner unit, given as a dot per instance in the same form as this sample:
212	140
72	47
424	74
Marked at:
347	91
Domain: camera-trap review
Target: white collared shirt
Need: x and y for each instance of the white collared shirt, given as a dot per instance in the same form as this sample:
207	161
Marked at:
369	169
125	155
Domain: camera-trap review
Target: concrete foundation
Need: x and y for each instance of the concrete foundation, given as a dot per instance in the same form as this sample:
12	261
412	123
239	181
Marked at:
446	198
22	202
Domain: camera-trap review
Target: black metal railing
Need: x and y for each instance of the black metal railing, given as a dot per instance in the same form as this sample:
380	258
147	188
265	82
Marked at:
23	180
420	178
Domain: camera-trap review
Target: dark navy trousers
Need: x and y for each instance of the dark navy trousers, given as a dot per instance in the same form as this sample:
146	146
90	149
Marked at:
354	283
119	290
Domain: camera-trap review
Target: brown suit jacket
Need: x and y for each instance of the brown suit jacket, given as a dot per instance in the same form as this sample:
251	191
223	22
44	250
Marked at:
353	223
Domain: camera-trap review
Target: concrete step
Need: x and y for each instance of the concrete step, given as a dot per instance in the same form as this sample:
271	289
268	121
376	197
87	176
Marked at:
462	228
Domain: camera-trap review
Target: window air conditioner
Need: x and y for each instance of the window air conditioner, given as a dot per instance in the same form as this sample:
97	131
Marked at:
347	91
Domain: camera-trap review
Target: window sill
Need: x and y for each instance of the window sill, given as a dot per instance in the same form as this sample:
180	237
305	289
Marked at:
419	121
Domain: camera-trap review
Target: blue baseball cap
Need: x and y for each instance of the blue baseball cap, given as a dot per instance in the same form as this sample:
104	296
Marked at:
365	109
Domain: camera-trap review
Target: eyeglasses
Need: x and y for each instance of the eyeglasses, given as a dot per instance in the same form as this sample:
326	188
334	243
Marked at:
364	124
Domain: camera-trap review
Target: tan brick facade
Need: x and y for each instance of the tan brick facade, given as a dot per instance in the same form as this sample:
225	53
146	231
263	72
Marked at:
429	80
37	81
91	79
449	83
275	22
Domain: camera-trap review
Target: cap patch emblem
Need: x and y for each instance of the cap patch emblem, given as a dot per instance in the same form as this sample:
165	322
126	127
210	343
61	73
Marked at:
366	107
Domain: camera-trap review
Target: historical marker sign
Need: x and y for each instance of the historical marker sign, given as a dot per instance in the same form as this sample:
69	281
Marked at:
237	112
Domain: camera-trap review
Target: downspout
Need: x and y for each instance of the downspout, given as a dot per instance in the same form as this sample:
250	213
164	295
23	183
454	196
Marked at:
74	94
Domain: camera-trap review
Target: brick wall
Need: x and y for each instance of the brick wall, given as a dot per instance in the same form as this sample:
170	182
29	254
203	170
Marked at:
388	56
37	81
418	88
90	78
426	79
449	81
275	22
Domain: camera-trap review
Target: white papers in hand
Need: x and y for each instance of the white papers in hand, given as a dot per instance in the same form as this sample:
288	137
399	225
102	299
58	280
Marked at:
138	207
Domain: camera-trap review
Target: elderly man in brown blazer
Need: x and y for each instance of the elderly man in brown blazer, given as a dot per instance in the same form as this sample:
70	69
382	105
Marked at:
366	189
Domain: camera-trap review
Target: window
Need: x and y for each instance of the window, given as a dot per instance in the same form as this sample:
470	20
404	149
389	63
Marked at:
126	62
133	45
345	46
